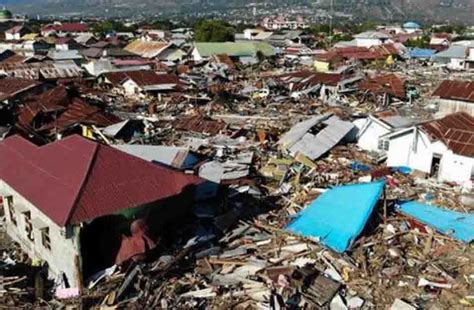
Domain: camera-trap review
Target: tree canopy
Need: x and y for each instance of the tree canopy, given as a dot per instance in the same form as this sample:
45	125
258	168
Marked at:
213	31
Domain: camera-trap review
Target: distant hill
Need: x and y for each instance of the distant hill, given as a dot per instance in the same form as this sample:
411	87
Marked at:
432	10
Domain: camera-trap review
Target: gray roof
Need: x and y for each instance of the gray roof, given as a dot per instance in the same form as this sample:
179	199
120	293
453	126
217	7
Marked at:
371	35
178	157
455	51
314	144
64	55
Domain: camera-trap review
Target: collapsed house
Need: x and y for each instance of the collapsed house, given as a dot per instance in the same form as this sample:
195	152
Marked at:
59	112
316	136
244	52
442	148
79	219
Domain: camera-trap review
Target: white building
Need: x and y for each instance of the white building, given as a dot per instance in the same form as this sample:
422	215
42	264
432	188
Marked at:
372	128
443	148
371	38
283	22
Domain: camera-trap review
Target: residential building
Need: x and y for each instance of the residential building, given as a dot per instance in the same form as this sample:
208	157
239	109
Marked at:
69	203
246	52
453	96
370	38
16	33
284	22
377	125
443	148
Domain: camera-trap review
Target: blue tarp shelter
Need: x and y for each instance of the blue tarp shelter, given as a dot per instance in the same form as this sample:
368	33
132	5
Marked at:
339	215
456	224
421	53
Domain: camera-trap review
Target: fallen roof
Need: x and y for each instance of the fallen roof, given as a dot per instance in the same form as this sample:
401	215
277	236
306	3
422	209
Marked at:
49	70
315	136
339	215
10	87
455	130
177	157
390	84
304	79
200	124
76	180
234	49
456	90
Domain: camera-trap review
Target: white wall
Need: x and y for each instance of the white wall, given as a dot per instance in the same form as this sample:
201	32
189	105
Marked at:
369	138
368	42
457	64
456	168
62	256
418	154
131	88
399	150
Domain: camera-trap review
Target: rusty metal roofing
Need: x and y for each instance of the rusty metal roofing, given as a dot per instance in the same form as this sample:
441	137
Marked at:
455	90
69	110
390	84
305	79
147	49
142	77
11	87
76	180
48	70
198	123
455	130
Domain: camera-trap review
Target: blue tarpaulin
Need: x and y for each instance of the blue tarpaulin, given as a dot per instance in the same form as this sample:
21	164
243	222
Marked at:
421	53
339	215
456	224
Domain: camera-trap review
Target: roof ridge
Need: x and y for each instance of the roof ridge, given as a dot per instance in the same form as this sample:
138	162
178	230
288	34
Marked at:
83	182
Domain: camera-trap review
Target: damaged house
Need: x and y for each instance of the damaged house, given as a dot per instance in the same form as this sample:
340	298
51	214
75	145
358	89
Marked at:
143	82
377	125
316	136
59	112
442	148
453	96
105	209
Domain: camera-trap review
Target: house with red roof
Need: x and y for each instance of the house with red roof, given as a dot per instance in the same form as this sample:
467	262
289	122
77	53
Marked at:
442	148
16	32
142	82
64	28
74	203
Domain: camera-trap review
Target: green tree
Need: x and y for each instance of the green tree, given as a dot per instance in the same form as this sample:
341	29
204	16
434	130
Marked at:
213	31
422	42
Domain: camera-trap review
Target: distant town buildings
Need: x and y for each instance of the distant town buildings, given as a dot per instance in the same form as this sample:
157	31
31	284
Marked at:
284	22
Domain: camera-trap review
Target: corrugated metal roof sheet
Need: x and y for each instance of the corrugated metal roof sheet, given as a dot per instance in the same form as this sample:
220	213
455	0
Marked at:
455	130
314	143
234	49
456	90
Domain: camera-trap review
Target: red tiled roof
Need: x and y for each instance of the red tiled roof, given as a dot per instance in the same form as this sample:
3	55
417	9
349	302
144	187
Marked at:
75	180
10	87
391	84
455	130
455	90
